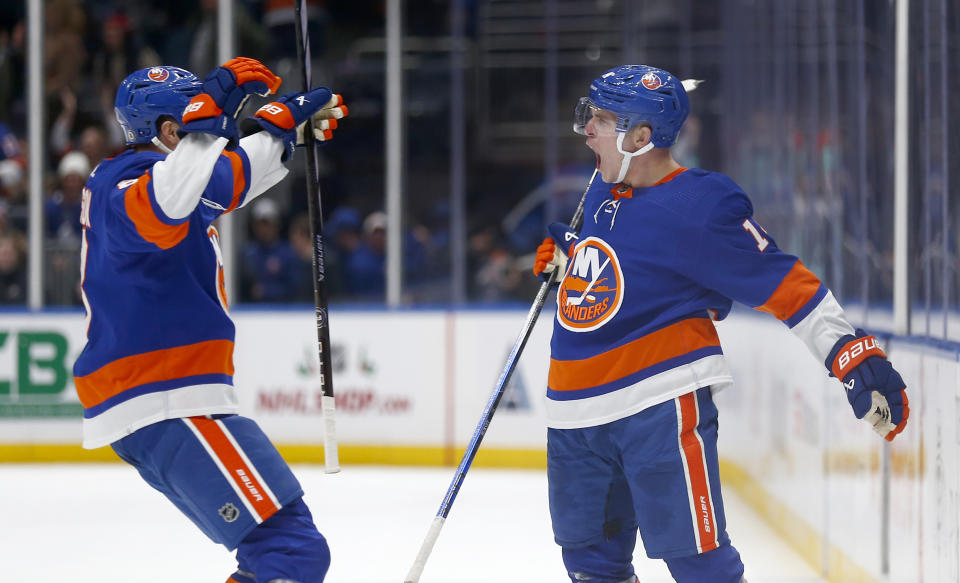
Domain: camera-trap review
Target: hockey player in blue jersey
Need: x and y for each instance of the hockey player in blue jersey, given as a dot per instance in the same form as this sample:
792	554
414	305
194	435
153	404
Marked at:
156	376
635	358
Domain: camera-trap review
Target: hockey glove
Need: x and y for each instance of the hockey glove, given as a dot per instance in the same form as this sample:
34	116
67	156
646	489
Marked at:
225	92
550	255
875	390
286	117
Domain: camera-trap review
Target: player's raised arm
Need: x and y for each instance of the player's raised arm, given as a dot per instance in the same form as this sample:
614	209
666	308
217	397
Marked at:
210	126
277	128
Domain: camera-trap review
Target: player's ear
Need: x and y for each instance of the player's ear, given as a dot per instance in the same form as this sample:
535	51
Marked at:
169	133
640	135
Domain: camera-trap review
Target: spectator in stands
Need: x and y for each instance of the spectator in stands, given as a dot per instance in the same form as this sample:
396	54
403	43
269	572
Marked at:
250	35
13	82
9	229
59	140
9	143
365	267
61	251
11	179
93	143
13	242
342	231
279	17
64	52
119	52
497	274
271	270
13	273
63	208
13	193
302	246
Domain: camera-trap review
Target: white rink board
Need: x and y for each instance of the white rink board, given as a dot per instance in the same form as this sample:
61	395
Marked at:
389	372
791	428
418	378
483	342
406	378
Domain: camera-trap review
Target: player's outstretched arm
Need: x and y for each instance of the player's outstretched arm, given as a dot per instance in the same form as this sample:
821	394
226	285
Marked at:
874	388
209	122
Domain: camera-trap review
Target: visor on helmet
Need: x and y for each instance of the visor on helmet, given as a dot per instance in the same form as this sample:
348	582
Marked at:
603	122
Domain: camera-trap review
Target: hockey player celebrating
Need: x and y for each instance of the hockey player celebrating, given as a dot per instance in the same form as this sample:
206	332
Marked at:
156	375
663	251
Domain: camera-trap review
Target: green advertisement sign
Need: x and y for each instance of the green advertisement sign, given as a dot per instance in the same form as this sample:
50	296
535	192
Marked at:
36	378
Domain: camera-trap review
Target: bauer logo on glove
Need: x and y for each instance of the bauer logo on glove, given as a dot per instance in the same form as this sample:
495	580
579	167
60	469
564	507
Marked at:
875	390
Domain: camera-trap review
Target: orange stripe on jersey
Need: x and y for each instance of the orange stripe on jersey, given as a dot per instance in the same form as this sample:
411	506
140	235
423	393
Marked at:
695	464
670	176
235	468
674	340
137	202
797	288
239	179
210	357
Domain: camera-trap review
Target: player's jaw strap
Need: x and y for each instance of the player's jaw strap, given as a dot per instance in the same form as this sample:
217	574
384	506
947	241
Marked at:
628	156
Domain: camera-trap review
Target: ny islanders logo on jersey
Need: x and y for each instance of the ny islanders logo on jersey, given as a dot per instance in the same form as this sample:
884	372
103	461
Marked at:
592	289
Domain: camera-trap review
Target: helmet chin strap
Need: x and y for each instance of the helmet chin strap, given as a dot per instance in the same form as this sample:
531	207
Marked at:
628	156
156	142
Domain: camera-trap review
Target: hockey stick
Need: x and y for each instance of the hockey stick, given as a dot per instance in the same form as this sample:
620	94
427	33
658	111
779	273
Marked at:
331	458
413	576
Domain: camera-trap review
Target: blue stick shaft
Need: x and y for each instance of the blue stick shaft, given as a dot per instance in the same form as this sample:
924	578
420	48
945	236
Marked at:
413	576
505	374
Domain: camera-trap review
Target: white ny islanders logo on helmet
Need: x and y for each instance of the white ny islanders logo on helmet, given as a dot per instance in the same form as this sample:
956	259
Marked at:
592	289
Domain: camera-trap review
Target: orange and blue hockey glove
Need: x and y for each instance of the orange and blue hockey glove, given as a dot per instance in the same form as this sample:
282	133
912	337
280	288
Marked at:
287	117
224	93
875	390
550	254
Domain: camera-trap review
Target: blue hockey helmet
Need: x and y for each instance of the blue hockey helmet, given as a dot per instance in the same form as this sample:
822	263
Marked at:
637	94
149	93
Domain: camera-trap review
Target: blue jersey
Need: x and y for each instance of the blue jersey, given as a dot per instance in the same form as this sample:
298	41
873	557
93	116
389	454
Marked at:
652	269
159	338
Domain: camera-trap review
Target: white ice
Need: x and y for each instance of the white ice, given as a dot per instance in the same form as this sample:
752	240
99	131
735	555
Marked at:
102	524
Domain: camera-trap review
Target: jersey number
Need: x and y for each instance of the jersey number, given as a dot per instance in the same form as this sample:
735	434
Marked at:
762	241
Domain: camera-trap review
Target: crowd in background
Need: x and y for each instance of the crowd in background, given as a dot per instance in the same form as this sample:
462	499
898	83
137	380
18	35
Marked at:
797	107
92	45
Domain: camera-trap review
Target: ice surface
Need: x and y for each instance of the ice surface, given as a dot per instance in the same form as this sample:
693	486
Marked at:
102	524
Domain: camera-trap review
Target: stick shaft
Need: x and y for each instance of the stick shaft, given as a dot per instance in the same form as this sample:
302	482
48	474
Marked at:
414	575
331	455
